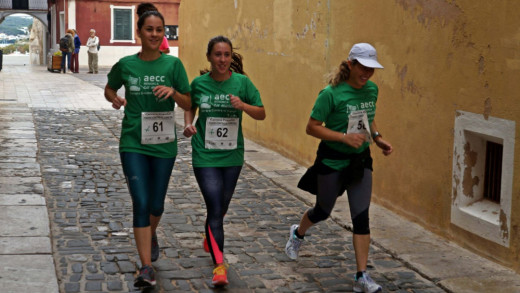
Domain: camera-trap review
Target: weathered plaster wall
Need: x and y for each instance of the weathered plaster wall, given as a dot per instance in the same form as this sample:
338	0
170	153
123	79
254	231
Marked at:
285	39
440	56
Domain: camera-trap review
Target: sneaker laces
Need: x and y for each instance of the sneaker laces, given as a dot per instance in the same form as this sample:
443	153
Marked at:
221	269
296	242
368	278
146	273
367	281
145	270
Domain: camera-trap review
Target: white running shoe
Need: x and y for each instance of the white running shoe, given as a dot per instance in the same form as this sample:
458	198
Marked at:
366	284
293	244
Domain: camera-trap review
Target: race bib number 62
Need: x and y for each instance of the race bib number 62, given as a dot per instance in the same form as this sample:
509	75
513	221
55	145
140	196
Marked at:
221	133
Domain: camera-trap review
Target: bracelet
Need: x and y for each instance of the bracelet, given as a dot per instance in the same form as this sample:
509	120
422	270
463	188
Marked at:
174	92
343	137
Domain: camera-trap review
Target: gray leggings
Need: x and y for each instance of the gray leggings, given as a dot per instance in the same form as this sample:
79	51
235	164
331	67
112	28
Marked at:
359	195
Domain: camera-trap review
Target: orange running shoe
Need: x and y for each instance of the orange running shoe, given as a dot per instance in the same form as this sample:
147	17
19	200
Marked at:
220	275
205	244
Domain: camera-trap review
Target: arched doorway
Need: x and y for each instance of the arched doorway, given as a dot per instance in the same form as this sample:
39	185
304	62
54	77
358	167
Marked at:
38	43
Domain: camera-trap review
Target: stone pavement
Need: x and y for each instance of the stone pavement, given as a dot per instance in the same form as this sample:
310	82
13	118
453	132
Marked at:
63	194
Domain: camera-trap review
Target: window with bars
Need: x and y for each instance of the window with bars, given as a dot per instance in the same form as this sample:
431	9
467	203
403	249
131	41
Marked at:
122	24
171	32
483	164
493	171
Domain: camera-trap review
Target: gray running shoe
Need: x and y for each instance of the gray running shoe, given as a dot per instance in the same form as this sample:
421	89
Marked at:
146	278
293	244
366	284
155	248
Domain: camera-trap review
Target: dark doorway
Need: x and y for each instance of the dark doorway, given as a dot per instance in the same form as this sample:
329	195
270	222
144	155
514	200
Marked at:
20	4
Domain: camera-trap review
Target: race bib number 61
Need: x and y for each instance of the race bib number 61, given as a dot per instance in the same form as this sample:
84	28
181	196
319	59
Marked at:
157	127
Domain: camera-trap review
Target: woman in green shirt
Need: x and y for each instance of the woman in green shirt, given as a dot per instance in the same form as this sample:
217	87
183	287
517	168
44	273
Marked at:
221	95
153	83
343	118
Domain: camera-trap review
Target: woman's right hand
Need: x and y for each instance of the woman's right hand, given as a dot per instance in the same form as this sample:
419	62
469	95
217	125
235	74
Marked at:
189	130
118	102
354	140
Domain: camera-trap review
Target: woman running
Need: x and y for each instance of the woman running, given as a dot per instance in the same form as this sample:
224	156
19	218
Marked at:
153	83
347	107
221	95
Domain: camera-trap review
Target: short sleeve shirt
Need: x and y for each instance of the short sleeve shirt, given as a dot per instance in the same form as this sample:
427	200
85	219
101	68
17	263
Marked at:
213	100
334	106
139	79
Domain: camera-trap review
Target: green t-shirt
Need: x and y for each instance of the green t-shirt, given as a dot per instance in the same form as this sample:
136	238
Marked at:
333	107
219	141
139	78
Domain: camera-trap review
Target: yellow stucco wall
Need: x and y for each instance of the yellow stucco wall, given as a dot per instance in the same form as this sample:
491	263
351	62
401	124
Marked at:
439	57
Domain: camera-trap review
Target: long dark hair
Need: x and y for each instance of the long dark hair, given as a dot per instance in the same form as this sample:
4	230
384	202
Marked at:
236	59
342	73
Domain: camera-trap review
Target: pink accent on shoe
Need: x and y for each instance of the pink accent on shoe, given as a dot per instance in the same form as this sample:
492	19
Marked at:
219	256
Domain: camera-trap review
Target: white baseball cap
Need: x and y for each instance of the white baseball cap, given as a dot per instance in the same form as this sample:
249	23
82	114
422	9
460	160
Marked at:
365	54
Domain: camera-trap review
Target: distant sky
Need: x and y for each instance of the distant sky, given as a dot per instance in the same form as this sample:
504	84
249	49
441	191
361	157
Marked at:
21	15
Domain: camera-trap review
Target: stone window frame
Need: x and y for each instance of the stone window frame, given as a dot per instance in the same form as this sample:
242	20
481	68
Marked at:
469	210
112	24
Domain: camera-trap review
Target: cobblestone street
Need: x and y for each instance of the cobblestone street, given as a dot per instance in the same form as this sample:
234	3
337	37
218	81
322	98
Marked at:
90	216
69	216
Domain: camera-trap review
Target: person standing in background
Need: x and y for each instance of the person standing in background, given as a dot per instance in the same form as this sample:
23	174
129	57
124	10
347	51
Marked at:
75	55
165	47
92	45
66	52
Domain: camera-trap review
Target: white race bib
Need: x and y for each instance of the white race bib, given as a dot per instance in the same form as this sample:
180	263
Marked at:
157	127
358	123
221	133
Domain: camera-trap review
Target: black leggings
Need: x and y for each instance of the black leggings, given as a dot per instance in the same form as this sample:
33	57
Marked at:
217	185
359	195
147	178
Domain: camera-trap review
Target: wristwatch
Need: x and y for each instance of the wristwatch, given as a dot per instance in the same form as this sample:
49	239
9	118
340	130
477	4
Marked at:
376	134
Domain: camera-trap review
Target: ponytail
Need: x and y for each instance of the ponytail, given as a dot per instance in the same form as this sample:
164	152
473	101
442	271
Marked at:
341	74
236	63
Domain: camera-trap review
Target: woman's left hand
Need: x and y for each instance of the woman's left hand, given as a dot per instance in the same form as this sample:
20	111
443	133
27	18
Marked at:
236	102
384	145
163	92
